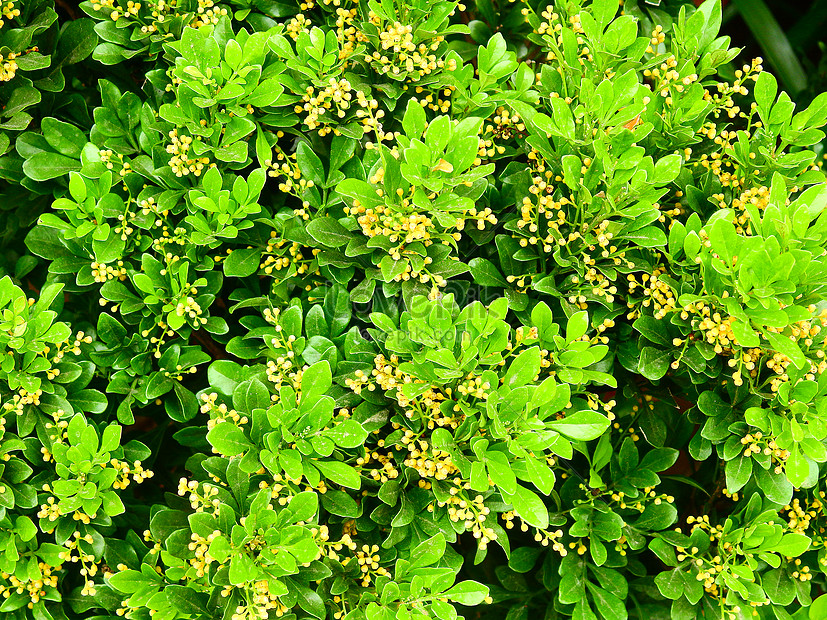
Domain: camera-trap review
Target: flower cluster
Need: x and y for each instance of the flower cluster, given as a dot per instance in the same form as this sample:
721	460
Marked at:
35	588
502	128
219	412
472	511
103	272
9	10
756	443
326	106
181	162
367	558
202	496
399	56
8	67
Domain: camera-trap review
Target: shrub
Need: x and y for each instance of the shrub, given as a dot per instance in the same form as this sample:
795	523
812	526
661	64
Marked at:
404	309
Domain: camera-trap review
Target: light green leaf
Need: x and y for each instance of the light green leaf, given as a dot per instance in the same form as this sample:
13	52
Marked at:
328	232
523	368
738	473
468	593
316	380
339	473
228	439
529	506
582	425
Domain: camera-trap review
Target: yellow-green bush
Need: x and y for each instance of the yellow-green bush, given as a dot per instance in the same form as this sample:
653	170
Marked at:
403	309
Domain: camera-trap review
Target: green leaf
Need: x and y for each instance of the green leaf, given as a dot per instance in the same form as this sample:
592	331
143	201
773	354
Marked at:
610	607
228	439
428	552
316	380
765	91
654	363
235	152
818	610
315	323
583	611
711	10
438	134
657	517
225	375
778	586
77	41
32	62
670	583
479	477
251	394
540	475
25	528
564	121
776	487
310	601
413	122
523	559
738	473
242	569
347	434
582	425
363	292
529	506
500	471
340	503
667	169
392	268
165	522
242	263
544	393
328	232
577	325
108	250
797	467
604	11
523	368
265	94
187	600
647	237
784	345
791	545
468	593
711	404
131	581
89	401
65	138
341	150
44	166
232	53
774	43
181	405
304	506
356	189
653	329
744	334
485	273
339	473
310	165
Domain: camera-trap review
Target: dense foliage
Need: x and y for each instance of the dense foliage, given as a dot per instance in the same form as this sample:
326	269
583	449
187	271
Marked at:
396	309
